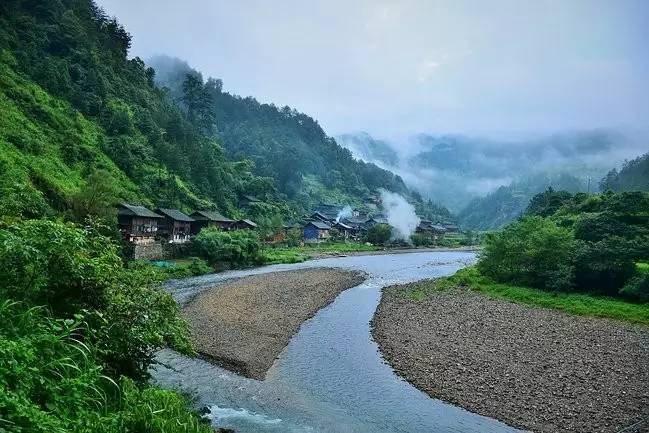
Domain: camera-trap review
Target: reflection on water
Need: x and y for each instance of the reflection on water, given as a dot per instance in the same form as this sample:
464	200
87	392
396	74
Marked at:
331	377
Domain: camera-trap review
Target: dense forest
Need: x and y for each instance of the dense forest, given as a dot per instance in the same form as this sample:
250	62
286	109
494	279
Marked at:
75	105
507	203
308	166
634	175
575	242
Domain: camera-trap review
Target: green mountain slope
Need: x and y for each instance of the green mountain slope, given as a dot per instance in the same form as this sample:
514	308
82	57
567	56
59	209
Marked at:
507	203
634	176
309	166
74	104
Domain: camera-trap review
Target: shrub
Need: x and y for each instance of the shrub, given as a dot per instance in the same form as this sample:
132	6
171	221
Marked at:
71	270
379	234
533	252
637	288
51	382
421	240
237	247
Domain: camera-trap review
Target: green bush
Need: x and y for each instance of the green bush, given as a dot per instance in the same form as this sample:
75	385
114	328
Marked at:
533	252
71	270
380	234
422	240
51	382
237	247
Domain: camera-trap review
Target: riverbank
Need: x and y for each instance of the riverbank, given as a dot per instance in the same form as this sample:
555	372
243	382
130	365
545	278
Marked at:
244	324
301	254
533	368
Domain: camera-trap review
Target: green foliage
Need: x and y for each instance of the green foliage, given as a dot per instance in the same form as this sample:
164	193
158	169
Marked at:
73	104
51	382
634	176
507	203
298	254
422	240
532	252
308	166
572	303
274	256
237	247
379	234
169	270
71	270
548	202
585	243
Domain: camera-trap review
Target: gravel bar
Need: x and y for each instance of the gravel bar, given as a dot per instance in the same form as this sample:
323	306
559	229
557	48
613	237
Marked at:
537	369
244	324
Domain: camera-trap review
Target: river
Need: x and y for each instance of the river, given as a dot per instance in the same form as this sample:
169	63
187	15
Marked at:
331	377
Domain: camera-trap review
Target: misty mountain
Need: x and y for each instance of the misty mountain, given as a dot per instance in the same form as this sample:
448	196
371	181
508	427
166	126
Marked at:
290	147
507	203
634	176
459	171
364	147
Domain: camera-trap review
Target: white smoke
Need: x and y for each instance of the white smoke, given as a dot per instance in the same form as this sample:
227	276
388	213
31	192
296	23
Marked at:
345	212
401	215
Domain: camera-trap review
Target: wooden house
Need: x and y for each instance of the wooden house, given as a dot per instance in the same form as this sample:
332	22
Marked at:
244	225
316	231
138	224
346	231
375	220
319	216
209	218
175	226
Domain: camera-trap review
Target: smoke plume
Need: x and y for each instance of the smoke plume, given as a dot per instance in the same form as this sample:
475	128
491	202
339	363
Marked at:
345	212
400	214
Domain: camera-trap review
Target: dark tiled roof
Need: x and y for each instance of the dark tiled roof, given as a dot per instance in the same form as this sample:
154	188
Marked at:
343	225
320	215
249	222
319	224
175	214
141	211
211	215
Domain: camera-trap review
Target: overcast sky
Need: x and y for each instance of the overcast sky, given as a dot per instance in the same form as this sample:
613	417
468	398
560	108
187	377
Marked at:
394	68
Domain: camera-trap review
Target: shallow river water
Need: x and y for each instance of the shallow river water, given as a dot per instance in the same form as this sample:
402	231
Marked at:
331	377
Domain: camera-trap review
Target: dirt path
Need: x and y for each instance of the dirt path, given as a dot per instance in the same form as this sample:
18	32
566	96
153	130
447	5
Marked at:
536	369
244	324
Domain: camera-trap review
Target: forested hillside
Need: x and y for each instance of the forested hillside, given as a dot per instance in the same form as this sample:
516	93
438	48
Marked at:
80	117
508	202
73	103
634	176
309	166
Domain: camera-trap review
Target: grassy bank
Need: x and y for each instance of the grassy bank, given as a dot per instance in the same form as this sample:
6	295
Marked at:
573	303
275	255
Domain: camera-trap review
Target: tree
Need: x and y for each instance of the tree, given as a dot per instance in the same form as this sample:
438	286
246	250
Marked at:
533	252
96	198
380	234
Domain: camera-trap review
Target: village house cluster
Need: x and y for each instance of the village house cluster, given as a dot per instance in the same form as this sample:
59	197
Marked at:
353	224
148	230
152	233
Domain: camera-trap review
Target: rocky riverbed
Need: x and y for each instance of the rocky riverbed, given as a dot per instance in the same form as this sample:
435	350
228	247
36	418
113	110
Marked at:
536	369
244	324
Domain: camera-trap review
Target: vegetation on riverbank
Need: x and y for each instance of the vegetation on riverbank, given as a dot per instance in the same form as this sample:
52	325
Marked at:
78	333
298	254
573	303
575	244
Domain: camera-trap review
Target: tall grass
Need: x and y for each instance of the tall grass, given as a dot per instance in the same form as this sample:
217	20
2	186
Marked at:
52	382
